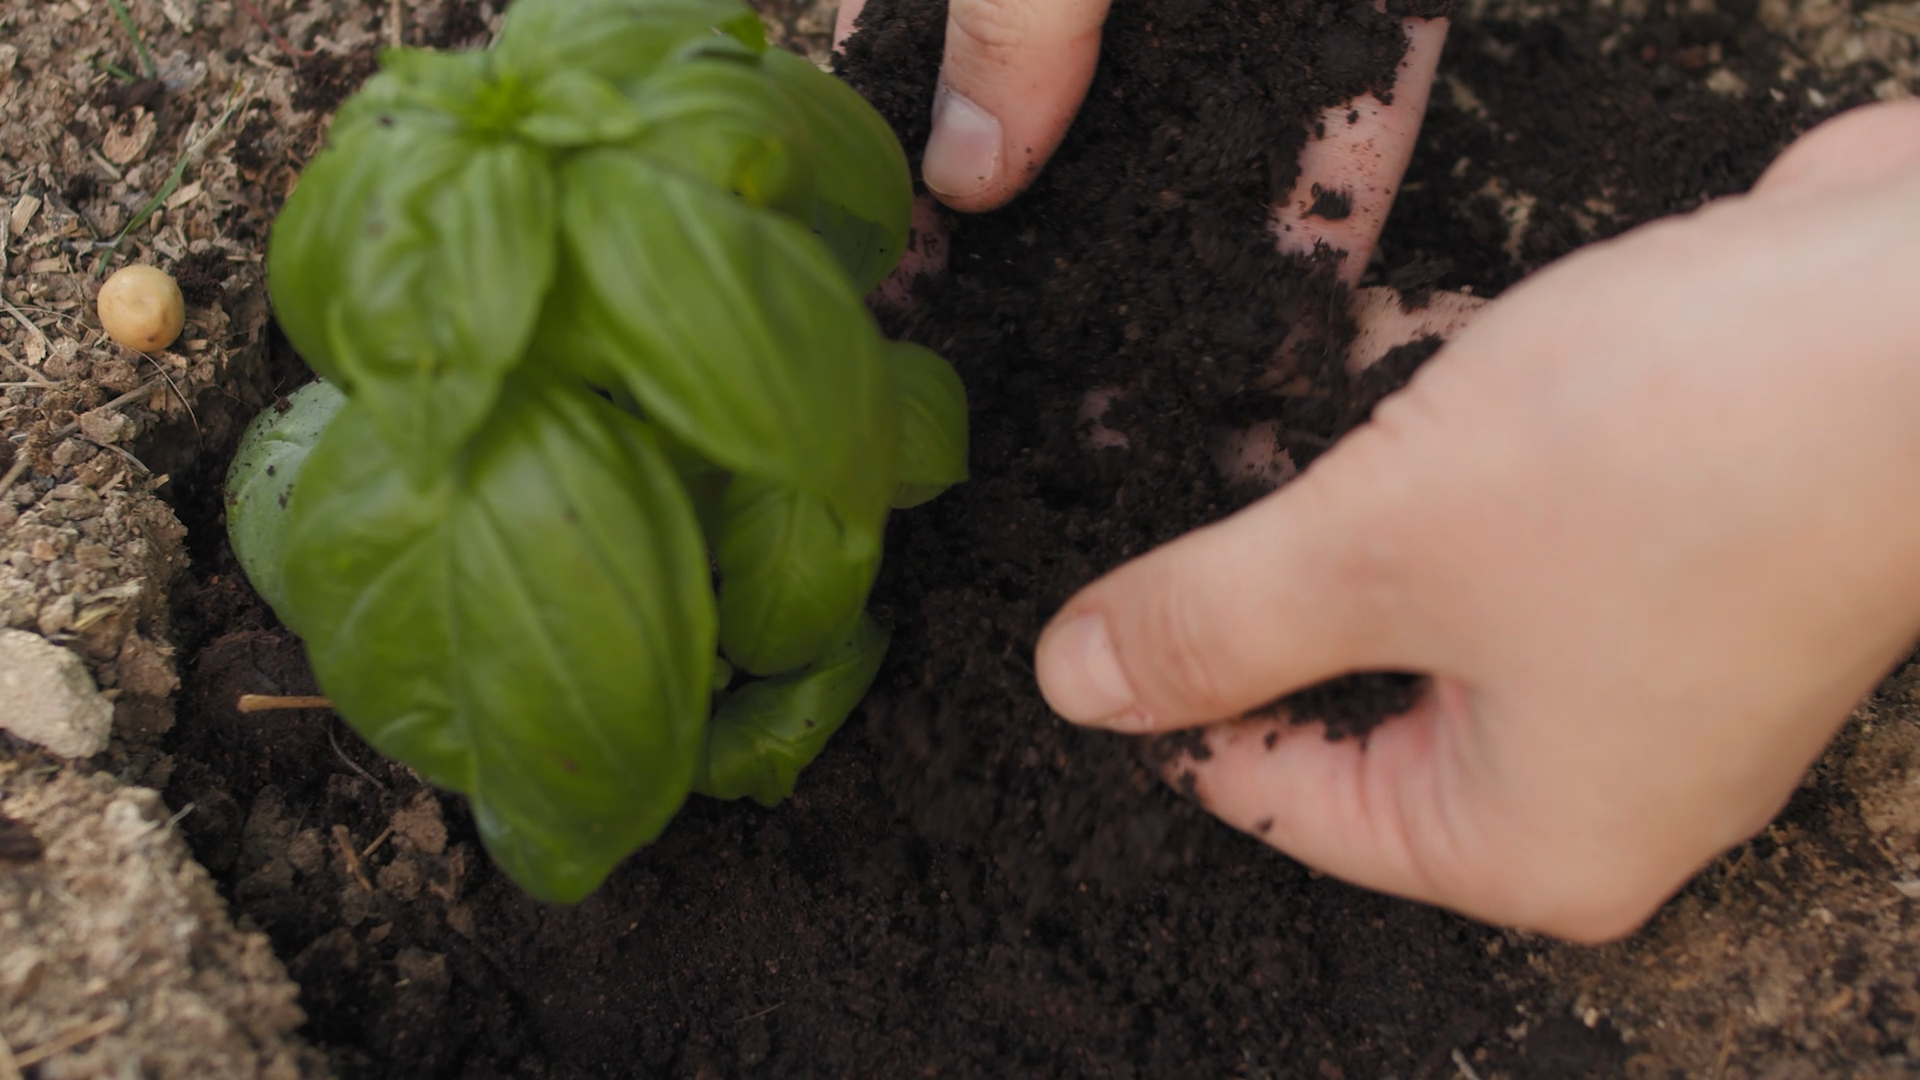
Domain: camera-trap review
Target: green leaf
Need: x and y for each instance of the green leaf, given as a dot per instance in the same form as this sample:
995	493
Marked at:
272	452
730	325
571	108
333	210
863	191
727	124
616	40
416	86
793	576
767	731
409	267
536	629
933	423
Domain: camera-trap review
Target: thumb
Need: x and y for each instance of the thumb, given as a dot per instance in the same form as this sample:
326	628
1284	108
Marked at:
1855	149
1295	589
1013	75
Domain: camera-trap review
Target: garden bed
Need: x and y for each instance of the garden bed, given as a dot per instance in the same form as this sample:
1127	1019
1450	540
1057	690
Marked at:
961	886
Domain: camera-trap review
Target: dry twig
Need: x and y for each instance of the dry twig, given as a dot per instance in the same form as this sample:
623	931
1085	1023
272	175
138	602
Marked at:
9	1066
13	474
343	840
258	703
367	852
352	764
60	1044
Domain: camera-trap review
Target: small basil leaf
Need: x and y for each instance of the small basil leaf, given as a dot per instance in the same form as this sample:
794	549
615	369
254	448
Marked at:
613	39
793	576
727	124
933	423
410	267
536	629
730	325
342	205
766	732
572	108
863	190
260	481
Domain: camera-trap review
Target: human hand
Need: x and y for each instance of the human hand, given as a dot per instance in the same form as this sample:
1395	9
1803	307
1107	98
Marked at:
1649	521
1014	74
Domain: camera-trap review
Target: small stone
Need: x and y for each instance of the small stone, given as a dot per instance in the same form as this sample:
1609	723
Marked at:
47	697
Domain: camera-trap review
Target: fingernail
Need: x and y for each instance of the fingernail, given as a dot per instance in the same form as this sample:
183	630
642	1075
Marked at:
963	153
1081	676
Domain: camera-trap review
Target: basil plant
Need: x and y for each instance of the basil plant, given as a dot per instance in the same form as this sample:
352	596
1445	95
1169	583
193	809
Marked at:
583	513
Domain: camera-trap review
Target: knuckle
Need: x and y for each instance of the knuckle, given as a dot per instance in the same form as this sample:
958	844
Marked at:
1374	486
1186	656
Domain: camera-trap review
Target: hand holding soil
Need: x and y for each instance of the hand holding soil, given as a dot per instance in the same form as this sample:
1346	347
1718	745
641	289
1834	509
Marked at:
1015	72
1649	522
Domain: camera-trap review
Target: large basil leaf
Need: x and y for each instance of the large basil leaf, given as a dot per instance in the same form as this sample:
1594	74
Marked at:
933	423
863	192
614	40
727	124
730	325
260	481
409	266
793	576
536	629
766	732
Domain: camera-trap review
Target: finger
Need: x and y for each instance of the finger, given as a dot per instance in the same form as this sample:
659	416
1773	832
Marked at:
1013	75
1385	323
1257	455
843	20
926	253
1349	176
1413	810
1860	148
1297	588
1346	808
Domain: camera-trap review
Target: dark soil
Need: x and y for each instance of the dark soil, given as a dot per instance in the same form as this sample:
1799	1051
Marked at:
962	885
